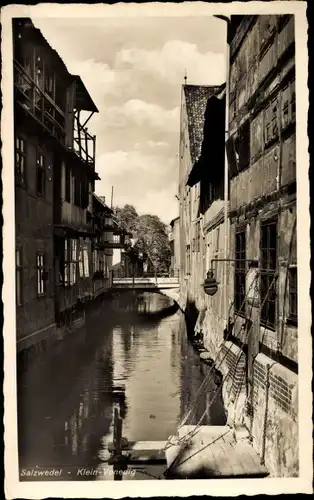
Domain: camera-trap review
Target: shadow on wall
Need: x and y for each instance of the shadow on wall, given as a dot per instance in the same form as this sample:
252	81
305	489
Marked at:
191	315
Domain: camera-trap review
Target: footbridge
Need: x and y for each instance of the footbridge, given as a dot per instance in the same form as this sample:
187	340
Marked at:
167	285
145	283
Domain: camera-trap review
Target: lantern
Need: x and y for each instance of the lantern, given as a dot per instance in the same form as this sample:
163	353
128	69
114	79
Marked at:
210	284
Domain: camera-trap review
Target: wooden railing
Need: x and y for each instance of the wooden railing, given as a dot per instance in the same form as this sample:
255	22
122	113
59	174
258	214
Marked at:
74	215
46	111
121	273
82	140
32	98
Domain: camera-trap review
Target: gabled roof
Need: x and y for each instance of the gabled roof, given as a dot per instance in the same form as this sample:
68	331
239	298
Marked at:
83	98
196	97
211	159
102	203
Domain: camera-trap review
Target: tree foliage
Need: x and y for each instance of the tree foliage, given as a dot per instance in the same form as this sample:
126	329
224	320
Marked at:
149	233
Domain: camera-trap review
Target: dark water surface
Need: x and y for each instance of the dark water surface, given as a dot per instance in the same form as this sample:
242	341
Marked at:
65	401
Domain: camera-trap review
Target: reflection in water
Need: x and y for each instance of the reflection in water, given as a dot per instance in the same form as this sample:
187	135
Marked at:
65	402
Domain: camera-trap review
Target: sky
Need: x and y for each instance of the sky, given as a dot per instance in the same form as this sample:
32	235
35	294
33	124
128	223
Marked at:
134	70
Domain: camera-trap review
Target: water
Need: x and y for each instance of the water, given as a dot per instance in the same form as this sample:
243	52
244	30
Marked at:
65	401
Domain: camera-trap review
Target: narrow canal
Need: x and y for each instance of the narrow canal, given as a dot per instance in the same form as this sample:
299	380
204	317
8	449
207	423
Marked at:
65	400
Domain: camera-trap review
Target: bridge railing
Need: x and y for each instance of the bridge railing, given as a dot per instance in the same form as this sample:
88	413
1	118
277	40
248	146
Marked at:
120	274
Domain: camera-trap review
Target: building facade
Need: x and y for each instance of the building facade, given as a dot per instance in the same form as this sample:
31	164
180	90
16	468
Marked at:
262	170
103	245
54	182
174	239
193	203
243	227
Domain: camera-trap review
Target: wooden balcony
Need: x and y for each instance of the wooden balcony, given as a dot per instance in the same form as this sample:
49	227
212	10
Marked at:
75	217
103	245
38	104
65	127
83	142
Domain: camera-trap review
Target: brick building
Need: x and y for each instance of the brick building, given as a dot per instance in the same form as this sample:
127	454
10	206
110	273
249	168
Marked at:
54	182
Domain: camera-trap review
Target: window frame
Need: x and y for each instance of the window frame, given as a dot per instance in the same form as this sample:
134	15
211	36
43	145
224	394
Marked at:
71	262
188	260
19	276
240	270
268	255
292	318
41	278
21	154
40	168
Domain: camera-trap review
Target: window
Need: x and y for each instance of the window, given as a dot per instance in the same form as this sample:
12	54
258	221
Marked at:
116	238
268	269
39	71
86	263
70	262
238	149
239	275
232	156
271	122
41	174
274	119
20	160
293	295
107	236
19	277
49	82
41	275
81	264
288	104
243	145
285	107
188	259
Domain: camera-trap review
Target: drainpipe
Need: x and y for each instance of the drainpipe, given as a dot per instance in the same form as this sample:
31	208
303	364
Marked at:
226	176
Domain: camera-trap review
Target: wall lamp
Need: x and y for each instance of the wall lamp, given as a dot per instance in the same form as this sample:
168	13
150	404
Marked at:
210	284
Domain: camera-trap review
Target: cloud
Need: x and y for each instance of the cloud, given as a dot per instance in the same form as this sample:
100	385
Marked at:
141	114
134	70
169	63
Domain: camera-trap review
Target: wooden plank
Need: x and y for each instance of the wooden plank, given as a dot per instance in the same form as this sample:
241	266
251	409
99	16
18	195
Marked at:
214	462
236	466
147	457
245	453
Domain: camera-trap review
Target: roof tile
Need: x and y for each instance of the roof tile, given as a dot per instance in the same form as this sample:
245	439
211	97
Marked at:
196	97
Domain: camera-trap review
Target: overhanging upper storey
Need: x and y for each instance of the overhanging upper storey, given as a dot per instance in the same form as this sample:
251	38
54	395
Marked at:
49	94
84	144
83	100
